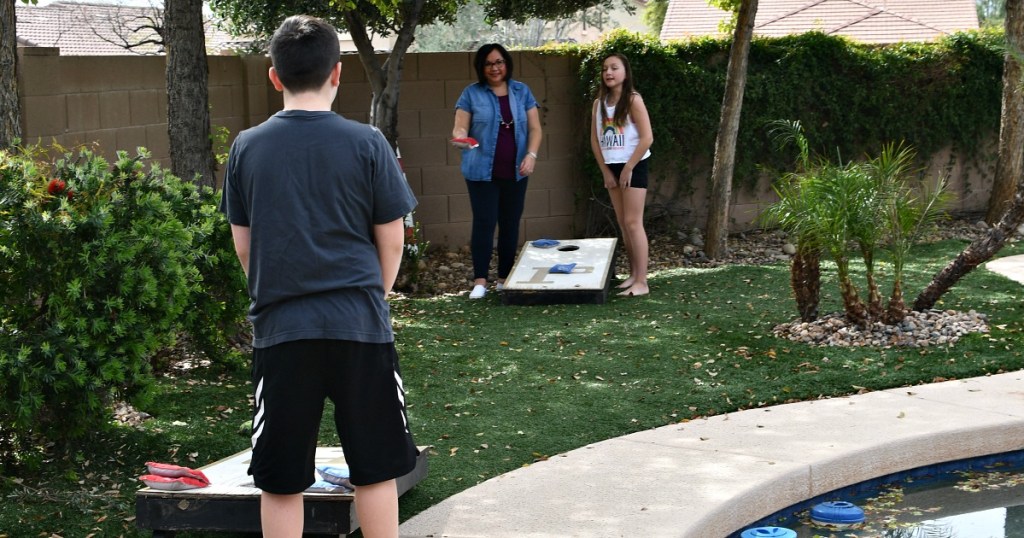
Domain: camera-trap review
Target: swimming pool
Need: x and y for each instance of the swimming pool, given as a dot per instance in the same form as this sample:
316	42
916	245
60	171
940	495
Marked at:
976	498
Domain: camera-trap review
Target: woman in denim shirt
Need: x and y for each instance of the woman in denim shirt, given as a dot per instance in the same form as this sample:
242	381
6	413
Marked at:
501	114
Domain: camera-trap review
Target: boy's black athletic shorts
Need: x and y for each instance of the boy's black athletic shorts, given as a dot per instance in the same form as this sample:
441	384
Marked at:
291	381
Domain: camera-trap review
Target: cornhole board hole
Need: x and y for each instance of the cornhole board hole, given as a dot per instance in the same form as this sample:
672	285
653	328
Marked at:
531	281
232	504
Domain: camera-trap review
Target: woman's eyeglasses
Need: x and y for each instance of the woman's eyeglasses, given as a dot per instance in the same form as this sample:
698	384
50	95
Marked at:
499	63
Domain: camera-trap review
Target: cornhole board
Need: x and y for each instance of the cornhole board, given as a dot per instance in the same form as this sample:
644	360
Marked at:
532	283
232	504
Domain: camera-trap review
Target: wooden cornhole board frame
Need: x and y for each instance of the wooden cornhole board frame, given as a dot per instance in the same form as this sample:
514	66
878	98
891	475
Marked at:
532	283
232	504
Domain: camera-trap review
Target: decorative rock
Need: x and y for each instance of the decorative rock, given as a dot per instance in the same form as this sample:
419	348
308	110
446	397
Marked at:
696	237
789	248
918	329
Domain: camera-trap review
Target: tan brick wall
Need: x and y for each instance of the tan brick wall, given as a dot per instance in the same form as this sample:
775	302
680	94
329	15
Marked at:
119	102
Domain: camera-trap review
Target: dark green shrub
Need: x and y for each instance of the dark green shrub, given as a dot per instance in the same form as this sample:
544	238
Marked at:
101	266
215	318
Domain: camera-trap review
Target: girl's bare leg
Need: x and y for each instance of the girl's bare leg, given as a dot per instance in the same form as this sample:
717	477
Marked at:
616	196
633	201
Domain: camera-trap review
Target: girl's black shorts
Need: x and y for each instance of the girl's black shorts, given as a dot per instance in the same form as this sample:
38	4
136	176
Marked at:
292	381
639	179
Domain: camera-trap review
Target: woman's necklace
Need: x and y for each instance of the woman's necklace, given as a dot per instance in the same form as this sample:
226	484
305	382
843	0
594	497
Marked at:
501	117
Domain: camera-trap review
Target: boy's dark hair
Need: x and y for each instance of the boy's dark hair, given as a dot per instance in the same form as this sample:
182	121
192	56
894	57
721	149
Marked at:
481	59
304	50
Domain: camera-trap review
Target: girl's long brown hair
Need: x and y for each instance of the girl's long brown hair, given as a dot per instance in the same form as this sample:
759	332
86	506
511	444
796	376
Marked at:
626	97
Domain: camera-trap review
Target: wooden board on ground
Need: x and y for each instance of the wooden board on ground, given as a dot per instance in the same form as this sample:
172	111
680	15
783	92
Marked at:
532	282
232	503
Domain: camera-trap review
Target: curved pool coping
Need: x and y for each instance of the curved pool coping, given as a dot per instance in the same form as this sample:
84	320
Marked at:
708	478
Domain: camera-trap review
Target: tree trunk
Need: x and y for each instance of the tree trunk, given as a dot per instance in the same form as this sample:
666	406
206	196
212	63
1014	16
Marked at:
875	309
984	248
10	109
805	278
853	307
385	78
897	310
1010	164
188	109
728	126
977	253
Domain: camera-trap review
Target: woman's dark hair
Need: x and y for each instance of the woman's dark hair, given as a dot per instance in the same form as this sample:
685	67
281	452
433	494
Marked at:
625	98
481	59
303	51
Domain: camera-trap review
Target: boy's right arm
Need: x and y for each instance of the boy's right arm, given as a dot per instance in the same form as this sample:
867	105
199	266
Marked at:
390	239
241	236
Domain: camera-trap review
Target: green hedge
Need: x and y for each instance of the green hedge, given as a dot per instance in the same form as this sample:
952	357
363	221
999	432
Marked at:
101	267
851	98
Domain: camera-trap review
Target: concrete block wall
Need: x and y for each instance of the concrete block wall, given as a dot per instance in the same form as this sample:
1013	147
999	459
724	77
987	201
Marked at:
119	102
431	84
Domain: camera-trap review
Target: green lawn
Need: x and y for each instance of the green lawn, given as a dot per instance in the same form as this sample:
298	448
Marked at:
492	388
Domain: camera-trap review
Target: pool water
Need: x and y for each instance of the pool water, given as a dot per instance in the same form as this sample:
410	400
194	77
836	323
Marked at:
978	498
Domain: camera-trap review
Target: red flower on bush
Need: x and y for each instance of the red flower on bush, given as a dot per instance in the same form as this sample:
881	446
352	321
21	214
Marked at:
410	235
56	186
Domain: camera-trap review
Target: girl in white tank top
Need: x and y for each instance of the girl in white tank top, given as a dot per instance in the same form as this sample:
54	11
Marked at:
617	142
621	139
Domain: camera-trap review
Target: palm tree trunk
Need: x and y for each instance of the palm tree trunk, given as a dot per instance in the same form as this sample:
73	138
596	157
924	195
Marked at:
852	305
805	278
874	296
897	310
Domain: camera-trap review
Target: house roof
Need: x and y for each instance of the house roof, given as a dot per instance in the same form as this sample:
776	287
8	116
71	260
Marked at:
88	29
869	21
96	29
83	29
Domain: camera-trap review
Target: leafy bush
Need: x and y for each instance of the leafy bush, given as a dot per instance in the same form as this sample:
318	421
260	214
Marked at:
101	266
413	252
215	317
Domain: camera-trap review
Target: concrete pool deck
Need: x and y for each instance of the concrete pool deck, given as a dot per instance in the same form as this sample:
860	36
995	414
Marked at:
708	478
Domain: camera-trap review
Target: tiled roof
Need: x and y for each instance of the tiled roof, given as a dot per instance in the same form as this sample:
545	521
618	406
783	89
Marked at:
88	29
869	21
81	29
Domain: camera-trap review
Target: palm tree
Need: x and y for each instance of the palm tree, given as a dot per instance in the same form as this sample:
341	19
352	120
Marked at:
907	212
835	220
869	196
792	214
829	207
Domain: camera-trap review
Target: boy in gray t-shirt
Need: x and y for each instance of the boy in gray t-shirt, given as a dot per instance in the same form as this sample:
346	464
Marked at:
316	205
